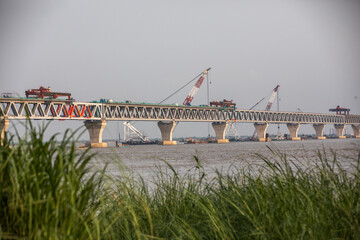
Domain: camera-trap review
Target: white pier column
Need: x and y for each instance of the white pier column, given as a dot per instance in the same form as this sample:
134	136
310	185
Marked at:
166	129
261	131
95	129
356	129
293	129
340	130
220	128
4	124
319	129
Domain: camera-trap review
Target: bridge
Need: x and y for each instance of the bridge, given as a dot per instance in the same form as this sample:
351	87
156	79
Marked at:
95	116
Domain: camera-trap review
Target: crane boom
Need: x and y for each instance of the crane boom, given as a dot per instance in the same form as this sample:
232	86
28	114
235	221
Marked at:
196	87
272	98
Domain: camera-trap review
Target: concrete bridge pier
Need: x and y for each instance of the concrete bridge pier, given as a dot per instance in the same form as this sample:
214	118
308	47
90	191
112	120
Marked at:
340	130
293	129
95	129
220	128
4	124
356	129
319	129
261	131
166	129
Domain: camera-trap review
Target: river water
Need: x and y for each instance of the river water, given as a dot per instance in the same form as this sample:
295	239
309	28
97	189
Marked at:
144	160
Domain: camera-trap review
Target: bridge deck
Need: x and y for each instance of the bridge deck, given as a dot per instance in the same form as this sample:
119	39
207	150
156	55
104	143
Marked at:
21	108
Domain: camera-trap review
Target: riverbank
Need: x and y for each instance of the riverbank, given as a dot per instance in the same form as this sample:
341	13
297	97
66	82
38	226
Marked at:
50	190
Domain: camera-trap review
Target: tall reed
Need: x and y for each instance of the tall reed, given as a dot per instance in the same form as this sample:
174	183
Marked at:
283	201
45	189
49	191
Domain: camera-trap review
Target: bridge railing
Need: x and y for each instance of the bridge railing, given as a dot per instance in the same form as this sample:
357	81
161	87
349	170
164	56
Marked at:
352	119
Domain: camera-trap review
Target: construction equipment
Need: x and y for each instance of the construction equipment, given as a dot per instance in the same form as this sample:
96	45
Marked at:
272	98
231	131
223	103
195	89
340	110
131	134
46	93
269	104
105	100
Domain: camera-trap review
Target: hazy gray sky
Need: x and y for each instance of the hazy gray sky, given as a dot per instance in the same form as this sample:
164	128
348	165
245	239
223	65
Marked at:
143	50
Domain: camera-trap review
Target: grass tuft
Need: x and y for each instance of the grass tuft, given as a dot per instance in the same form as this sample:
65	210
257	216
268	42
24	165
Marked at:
49	191
46	190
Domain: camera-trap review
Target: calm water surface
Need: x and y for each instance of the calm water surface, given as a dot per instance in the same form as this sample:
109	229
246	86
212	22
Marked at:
144	160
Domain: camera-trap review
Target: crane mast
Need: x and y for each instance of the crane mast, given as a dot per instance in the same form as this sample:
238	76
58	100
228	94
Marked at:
196	87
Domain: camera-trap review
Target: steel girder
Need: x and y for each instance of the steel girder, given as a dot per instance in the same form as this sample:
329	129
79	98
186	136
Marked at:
67	110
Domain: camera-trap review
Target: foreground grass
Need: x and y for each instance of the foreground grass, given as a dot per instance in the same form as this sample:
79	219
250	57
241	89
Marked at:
48	192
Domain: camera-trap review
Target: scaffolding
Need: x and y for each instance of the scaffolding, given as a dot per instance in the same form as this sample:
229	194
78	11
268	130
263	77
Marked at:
131	134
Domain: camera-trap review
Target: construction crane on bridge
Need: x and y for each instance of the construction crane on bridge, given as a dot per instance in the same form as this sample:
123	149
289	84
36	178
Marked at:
269	104
272	98
195	89
231	126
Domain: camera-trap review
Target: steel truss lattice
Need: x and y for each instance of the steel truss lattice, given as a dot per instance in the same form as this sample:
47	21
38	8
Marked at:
11	108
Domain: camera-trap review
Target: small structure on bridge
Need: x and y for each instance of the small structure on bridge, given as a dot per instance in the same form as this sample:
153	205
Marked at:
340	110
223	103
43	92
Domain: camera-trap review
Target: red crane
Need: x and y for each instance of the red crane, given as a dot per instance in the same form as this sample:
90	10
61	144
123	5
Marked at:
196	87
272	98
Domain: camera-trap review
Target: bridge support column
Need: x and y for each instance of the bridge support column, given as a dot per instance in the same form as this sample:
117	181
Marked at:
220	128
340	130
166	129
293	130
95	129
4	124
356	129
319	129
261	131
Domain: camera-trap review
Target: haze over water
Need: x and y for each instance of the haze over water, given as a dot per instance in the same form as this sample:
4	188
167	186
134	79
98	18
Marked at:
144	160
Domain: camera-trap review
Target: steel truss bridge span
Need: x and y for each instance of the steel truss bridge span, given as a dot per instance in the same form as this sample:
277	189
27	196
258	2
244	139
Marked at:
46	109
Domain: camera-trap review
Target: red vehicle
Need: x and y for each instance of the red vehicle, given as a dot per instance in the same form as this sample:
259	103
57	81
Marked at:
46	93
223	103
